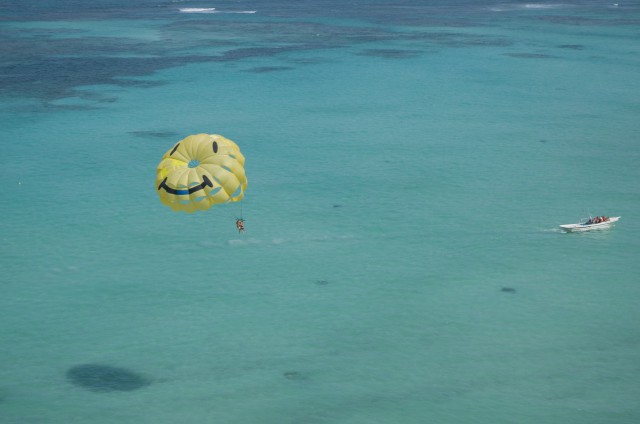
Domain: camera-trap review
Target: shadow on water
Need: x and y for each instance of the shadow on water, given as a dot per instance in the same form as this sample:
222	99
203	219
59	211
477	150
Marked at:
105	378
603	234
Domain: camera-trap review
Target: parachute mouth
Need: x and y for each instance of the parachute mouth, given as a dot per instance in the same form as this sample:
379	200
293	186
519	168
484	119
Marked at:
206	182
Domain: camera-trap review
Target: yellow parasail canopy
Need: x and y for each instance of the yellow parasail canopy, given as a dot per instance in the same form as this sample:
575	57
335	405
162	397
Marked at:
201	171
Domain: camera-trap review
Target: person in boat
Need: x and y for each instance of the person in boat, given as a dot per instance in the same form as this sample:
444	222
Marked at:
240	225
597	220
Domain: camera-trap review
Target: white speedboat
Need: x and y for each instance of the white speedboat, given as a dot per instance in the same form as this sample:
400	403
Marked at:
590	224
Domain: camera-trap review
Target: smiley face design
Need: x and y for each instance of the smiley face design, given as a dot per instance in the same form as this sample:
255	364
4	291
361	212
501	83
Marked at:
201	171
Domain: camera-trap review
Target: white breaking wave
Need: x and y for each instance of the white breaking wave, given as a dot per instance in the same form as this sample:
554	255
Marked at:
198	10
212	10
529	6
542	6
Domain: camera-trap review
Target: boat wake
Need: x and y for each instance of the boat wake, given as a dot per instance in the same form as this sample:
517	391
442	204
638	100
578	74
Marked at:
243	241
552	230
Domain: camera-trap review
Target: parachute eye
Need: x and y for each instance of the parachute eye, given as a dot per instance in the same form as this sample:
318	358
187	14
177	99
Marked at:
215	147
174	149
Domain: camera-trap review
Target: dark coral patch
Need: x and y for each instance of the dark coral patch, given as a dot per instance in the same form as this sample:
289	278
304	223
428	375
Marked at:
572	46
530	55
105	378
154	134
265	69
391	53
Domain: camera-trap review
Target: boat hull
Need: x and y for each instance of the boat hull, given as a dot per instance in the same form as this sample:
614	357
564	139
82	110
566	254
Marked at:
574	228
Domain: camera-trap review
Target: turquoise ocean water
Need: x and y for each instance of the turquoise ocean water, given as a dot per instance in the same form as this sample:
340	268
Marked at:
408	166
